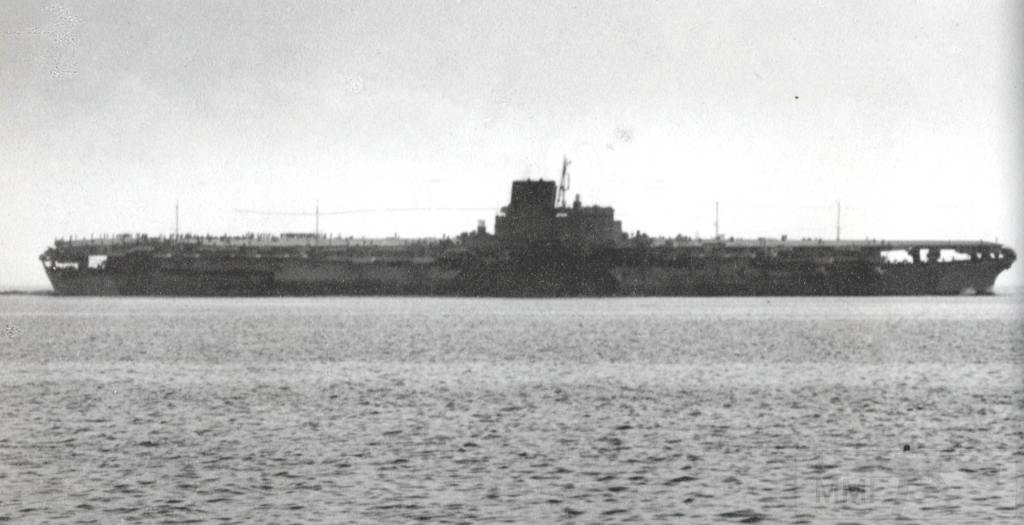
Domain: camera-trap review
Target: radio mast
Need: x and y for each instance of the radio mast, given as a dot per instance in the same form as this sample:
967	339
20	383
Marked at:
563	186
837	220
716	220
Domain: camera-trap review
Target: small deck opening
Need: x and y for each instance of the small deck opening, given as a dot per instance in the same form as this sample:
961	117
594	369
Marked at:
943	255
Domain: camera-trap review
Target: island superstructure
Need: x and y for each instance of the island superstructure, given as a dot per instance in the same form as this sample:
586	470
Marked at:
541	247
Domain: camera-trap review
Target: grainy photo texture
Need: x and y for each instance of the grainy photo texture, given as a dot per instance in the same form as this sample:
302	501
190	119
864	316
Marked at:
511	261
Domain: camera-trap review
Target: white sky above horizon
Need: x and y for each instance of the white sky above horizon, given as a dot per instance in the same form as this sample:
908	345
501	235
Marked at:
909	113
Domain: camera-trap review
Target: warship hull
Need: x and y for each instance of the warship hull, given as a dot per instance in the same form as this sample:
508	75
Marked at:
506	279
540	248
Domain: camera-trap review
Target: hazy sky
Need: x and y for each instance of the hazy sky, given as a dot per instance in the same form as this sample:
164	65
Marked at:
909	113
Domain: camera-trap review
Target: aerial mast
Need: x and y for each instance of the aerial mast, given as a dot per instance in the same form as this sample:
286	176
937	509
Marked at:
563	186
176	234
716	219
837	220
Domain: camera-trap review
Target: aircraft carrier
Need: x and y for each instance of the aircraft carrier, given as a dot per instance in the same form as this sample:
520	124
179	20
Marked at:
541	247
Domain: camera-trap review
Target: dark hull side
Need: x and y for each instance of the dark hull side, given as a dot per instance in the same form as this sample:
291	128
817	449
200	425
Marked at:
505	279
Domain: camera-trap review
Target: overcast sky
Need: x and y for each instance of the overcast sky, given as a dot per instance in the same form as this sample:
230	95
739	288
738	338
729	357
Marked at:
909	113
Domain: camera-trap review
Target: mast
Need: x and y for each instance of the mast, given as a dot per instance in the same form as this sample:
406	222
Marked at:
318	221
837	220
716	219
176	234
563	186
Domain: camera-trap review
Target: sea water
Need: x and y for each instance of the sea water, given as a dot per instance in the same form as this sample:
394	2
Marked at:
799	410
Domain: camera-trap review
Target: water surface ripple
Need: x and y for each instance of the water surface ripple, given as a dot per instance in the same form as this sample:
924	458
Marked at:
795	410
